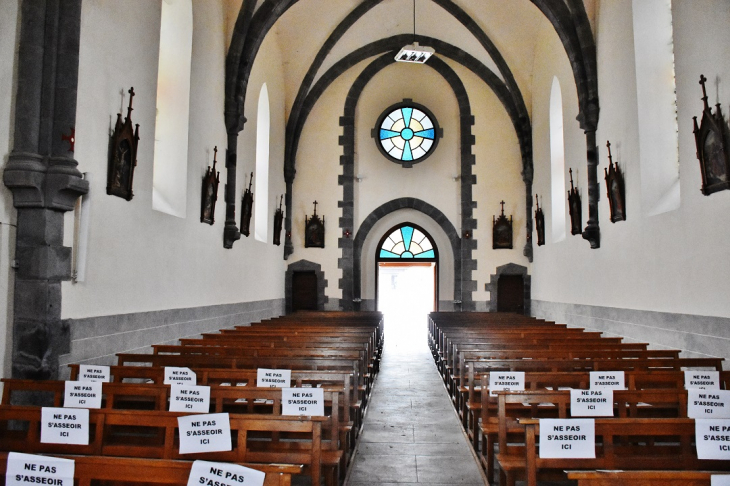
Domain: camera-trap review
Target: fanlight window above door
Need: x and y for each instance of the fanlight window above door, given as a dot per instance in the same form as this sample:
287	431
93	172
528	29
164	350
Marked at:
406	242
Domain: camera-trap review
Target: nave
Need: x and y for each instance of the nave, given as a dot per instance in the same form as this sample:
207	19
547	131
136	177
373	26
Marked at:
381	412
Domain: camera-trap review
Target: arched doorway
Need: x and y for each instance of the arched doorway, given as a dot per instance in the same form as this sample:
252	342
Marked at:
407	280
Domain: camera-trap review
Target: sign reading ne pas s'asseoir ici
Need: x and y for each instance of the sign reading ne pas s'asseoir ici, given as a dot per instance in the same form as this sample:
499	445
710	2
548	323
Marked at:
267	378
705	380
506	380
591	403
712	437
204	433
708	403
302	401
95	373
82	394
184	398
612	380
32	470
65	425
181	376
204	473
567	438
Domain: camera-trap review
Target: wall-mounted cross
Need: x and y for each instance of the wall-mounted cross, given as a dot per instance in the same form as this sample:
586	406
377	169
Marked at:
502	203
315	207
703	80
610	158
71	139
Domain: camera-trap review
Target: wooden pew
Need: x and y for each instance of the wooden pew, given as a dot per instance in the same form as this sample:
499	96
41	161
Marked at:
152	434
621	444
503	428
642	478
127	470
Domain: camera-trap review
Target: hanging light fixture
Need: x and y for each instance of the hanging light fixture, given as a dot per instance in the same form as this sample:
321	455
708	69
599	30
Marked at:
413	52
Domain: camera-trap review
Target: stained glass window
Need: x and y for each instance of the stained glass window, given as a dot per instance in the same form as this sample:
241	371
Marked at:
407	242
407	133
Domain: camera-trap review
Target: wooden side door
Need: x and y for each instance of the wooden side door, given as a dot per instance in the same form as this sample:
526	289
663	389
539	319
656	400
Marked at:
304	291
511	294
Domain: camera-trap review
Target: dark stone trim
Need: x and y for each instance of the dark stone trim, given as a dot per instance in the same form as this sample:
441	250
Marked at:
305	266
509	269
382	211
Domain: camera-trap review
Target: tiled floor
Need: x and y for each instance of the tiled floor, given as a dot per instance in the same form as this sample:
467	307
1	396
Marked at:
411	434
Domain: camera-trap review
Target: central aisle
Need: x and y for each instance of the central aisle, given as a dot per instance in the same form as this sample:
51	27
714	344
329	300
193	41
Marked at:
411	433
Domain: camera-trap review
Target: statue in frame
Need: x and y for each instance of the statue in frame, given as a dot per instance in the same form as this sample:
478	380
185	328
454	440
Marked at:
314	230
209	194
501	231
711	139
575	208
615	189
539	223
247	209
122	155
278	221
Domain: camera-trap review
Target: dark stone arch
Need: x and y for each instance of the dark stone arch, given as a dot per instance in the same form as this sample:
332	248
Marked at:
448	50
463	260
385	209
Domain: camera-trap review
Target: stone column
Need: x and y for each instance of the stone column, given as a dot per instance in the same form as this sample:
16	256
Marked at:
43	176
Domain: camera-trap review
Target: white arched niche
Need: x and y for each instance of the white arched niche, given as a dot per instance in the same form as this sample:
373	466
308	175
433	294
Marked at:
557	163
263	131
370	246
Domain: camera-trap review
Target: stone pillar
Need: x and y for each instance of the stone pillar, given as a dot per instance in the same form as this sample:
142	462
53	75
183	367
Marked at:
43	176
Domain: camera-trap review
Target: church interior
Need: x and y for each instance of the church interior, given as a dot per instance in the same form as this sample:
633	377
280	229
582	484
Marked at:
177	167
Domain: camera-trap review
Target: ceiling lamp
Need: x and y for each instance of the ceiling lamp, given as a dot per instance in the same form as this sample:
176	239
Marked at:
413	52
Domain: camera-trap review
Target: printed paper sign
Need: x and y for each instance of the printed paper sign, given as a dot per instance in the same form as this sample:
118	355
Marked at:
82	394
506	380
705	380
224	474
180	376
266	378
29	469
65	425
204	433
302	401
708	403
95	373
612	380
720	480
591	403
184	398
713	438
567	438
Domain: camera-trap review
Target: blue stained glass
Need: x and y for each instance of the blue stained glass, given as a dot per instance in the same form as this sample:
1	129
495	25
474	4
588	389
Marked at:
406	254
407	113
423	133
388	134
387	254
407	235
425	254
407	154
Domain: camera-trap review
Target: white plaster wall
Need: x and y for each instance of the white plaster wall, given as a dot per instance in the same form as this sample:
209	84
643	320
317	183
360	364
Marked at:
140	259
674	262
9	16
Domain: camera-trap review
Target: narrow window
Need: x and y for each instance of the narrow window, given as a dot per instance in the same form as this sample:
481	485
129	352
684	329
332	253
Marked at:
261	201
557	163
170	166
657	106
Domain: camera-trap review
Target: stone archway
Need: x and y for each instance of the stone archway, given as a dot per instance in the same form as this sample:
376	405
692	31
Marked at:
509	269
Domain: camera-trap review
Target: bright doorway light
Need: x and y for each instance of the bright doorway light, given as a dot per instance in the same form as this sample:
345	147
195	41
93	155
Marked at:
406	294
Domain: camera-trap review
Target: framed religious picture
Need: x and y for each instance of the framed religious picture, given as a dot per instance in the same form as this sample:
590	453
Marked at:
314	230
247	209
122	155
209	194
278	221
501	231
575	208
711	139
615	189
539	222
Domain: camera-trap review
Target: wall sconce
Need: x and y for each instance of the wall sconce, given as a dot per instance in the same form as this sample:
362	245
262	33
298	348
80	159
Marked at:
359	177
455	177
288	235
467	235
346	233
